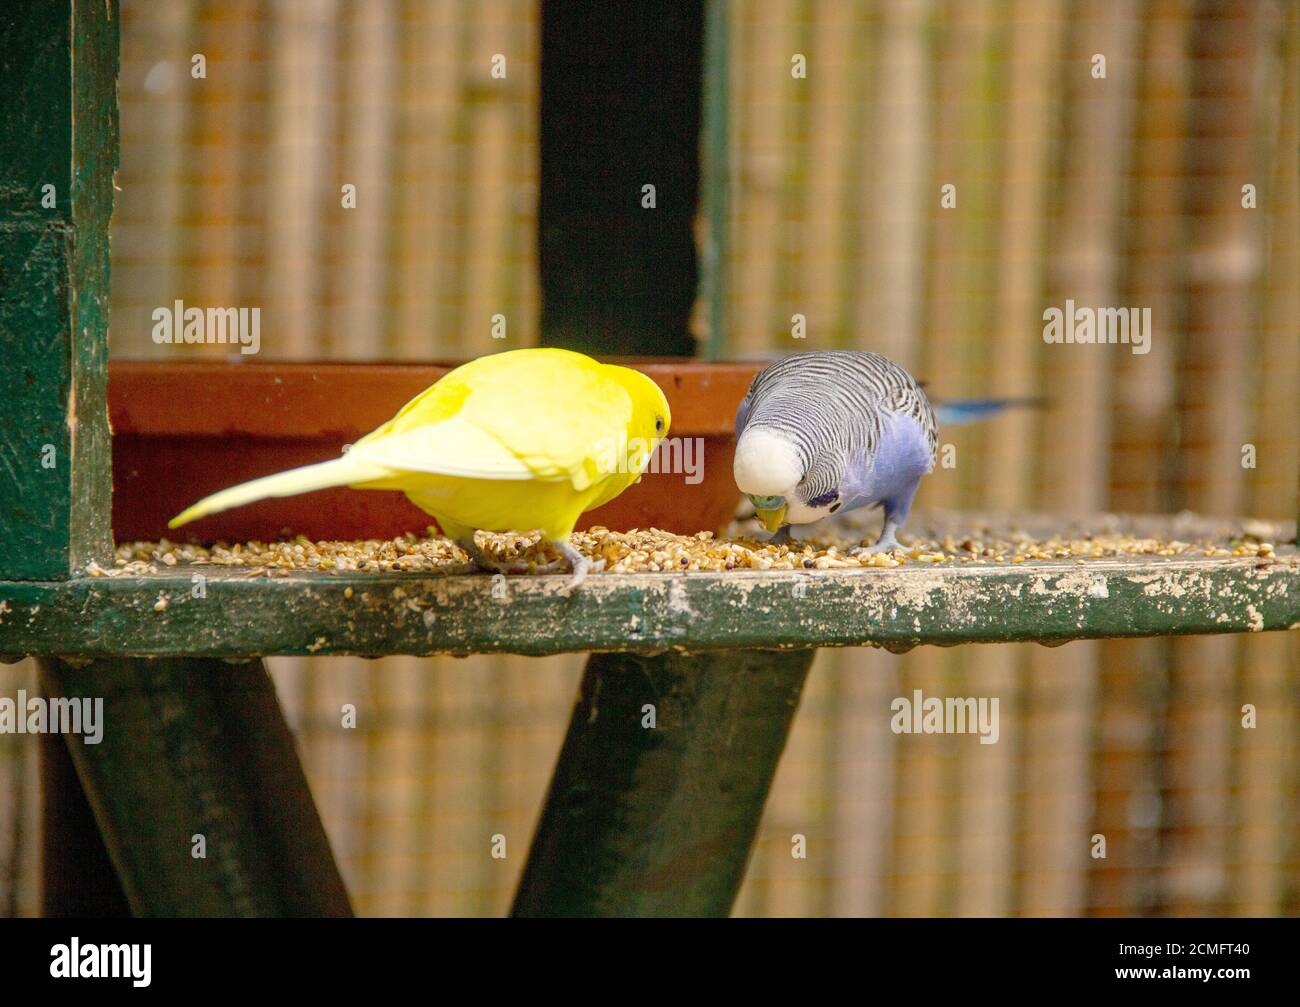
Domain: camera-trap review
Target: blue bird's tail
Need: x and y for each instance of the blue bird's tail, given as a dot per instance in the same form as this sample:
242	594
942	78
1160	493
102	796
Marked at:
973	410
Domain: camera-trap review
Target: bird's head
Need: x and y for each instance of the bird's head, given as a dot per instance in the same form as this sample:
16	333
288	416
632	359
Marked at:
650	418
770	470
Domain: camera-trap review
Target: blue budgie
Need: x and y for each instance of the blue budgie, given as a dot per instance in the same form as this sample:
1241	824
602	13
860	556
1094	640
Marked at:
833	430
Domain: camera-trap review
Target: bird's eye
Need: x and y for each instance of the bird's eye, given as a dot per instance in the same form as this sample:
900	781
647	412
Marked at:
659	424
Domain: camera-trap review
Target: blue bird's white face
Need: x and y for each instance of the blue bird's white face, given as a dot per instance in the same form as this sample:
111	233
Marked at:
770	472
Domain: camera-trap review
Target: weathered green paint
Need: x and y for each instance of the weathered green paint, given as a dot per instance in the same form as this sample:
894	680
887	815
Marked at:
200	748
374	614
659	821
58	72
36	129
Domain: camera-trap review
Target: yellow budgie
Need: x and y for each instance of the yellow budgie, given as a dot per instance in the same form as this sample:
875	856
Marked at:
515	441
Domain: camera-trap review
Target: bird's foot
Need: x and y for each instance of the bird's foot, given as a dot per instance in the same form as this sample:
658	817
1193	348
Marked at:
580	565
780	537
887	542
571	559
481	561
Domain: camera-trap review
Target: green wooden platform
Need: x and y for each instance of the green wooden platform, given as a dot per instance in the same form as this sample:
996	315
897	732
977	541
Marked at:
395	613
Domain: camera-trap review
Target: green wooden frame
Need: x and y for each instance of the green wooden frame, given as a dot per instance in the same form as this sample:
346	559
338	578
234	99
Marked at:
639	820
185	757
60	144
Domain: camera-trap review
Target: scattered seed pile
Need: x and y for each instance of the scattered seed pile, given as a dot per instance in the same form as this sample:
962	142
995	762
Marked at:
650	550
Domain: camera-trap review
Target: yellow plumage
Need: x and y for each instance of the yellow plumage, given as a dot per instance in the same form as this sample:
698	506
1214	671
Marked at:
515	441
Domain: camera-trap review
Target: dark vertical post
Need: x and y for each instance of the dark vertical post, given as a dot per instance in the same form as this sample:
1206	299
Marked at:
716	154
658	820
198	790
620	110
58	66
645	820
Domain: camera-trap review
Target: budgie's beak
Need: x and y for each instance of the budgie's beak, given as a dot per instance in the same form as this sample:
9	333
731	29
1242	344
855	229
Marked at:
772	519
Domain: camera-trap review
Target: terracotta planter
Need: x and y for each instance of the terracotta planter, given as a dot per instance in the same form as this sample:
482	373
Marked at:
181	431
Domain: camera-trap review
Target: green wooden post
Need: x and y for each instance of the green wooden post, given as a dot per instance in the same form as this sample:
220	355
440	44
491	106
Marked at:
190	748
198	790
59	67
656	817
58	154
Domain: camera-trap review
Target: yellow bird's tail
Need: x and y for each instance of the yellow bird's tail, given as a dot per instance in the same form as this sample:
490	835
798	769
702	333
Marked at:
345	471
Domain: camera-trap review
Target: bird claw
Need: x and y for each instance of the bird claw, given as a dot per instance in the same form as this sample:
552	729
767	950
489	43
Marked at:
483	563
571	559
580	564
886	543
554	566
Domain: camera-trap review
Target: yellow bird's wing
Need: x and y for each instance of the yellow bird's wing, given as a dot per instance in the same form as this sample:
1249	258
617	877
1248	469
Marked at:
526	414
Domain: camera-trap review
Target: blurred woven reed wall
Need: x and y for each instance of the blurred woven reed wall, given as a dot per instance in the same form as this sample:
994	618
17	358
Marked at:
1117	192
1123	191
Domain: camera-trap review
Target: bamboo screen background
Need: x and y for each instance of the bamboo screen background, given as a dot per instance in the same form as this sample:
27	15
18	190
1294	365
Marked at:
1117	192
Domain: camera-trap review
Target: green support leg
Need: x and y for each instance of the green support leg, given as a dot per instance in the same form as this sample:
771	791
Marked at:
196	758
77	874
659	821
